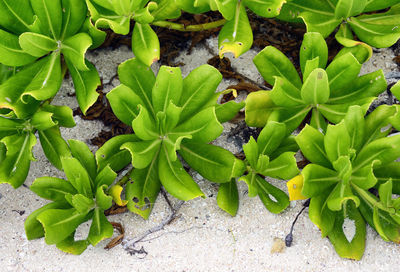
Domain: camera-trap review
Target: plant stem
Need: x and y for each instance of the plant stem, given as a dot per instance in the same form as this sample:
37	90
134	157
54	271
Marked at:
125	178
368	197
189	28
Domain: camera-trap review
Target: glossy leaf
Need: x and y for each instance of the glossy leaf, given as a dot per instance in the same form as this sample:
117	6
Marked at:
315	89
313	46
228	197
54	146
145	44
36	44
49	12
100	227
167	88
74	49
82	153
274	199
11	52
77	176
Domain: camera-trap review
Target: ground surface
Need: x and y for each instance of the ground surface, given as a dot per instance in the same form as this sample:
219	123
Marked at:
202	237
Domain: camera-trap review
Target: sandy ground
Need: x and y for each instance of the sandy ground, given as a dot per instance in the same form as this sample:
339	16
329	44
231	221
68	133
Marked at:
202	237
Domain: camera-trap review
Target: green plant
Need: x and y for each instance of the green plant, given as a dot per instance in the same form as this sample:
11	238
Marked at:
271	156
82	197
168	115
326	93
377	29
352	158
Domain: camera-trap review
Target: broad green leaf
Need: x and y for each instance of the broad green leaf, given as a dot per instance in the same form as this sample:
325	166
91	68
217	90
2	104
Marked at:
354	248
320	214
54	146
49	12
336	141
379	4
167	9
285	94
16	16
227	111
95	34
144	125
236	35
317	120
143	15
378	30
271	62
36	44
310	66
389	171
145	44
82	204
51	188
85	84
283	167
103	200
100	227
105	177
74	49
121	6
172	144
313	46
376	123
176	180
61	114
251	182
347	8
228	197
355	126
69	245
167	88
111	154
11	52
258	109
42	120
267	9
9	126
124	103
311	143
143	152
369	85
288	145
212	162
343	71
365	177
340	196
251	152
77	176
140	79
194	7
225	7
47	81
15	166
292	117
203	127
385	193
33	228
74	15
315	89
58	224
317	179
198	88
271	137
143	188
82	153
274	199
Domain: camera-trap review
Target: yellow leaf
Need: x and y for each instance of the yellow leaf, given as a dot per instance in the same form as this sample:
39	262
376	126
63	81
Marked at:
295	185
115	192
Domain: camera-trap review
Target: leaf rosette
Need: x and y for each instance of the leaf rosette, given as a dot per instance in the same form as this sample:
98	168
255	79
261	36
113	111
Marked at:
170	116
81	197
36	36
325	92
375	28
353	159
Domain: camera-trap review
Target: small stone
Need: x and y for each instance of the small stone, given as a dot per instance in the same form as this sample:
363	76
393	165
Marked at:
278	246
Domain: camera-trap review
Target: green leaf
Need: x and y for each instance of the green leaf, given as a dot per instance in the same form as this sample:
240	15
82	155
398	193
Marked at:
271	63
58	224
251	152
15	166
311	143
82	204
111	154
77	176
105	177
51	188
336	141
317	179
144	125
54	146
376	123
10	126
143	152
42	120
365	177
85	84
176	180
353	249
203	126
142	190
274	199
310	66
33	228
61	114
389	171
228	197
16	16
227	111
347	8
317	120
145	44
343	71
82	153
167	88
340	196
69	245
140	79
190	6
198	88
313	46
316	89
267	9
258	109
285	94
49	12
355	126
236	35
36	44
251	182
212	162
144	15
283	167
320	215
11	52
271	137
100	228
103	200
95	34
74	15
74	49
